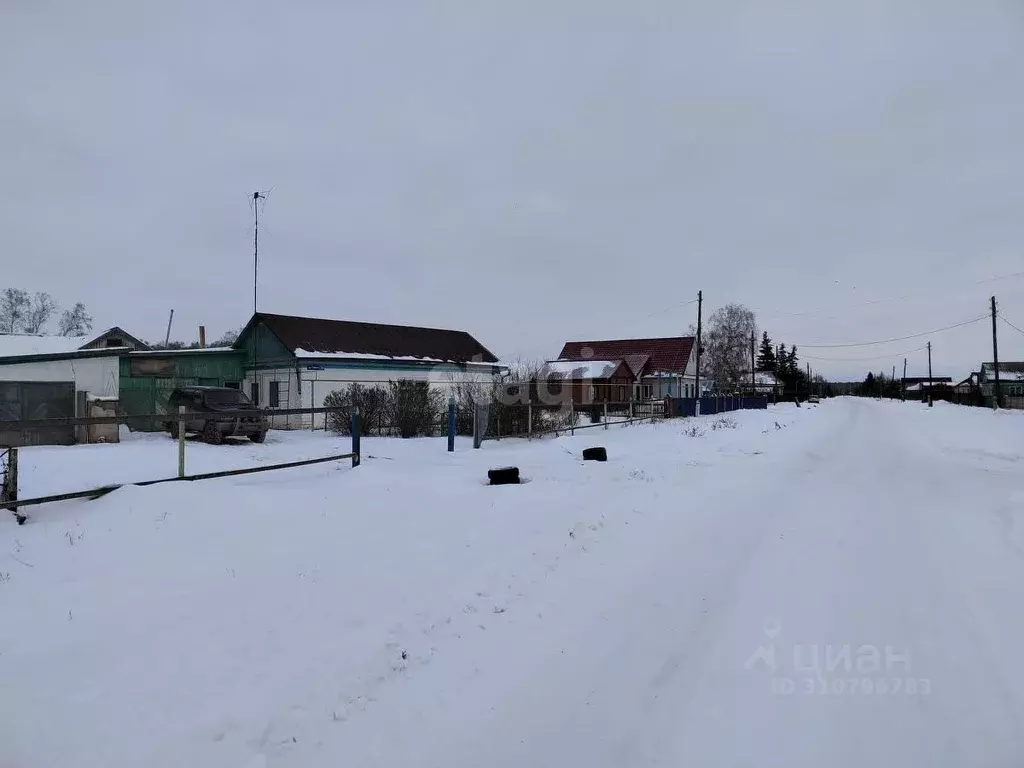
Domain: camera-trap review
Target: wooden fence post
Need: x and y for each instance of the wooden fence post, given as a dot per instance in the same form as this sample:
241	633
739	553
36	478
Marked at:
606	414
529	421
181	441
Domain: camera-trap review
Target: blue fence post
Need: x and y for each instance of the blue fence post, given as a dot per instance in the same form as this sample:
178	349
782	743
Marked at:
355	436
451	423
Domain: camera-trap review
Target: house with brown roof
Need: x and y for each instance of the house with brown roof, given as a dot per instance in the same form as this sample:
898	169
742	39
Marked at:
295	362
584	382
661	367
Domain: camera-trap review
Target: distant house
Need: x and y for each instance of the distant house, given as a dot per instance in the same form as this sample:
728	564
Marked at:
584	382
68	359
48	377
661	367
765	383
115	338
1011	383
968	385
295	362
946	381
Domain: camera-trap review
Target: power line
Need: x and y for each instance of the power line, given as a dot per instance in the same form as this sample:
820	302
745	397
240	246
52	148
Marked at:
1018	330
670	308
895	338
859	359
874	302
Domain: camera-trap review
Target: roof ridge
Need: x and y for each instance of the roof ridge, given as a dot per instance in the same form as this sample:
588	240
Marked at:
361	322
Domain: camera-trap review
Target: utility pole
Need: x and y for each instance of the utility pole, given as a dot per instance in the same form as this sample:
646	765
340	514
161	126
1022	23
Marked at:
170	320
903	383
997	401
930	403
893	383
753	378
700	304
256	197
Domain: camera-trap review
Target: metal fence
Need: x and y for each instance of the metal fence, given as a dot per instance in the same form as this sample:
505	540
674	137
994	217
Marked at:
710	405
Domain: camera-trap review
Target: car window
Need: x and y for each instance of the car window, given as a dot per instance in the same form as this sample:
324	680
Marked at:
227	397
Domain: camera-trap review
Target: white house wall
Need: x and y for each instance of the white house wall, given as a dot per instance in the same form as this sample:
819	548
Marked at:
310	384
661	385
97	375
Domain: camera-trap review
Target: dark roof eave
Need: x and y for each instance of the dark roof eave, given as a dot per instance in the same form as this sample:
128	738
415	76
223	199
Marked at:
77	354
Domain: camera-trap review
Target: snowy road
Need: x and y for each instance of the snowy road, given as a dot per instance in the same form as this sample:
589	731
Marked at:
884	556
841	586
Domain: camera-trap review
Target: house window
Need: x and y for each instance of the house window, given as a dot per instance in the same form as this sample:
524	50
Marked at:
115	341
254	392
275	394
622	394
232	385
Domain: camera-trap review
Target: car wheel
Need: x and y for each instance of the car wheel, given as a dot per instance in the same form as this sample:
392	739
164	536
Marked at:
211	434
172	429
258	437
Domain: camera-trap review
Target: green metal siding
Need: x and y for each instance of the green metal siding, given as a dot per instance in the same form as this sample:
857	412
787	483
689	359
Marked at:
263	349
145	394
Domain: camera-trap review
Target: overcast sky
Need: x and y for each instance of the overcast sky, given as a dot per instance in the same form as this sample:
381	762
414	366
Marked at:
528	171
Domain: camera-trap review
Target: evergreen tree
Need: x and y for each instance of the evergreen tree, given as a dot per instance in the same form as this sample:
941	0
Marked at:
870	386
766	354
780	362
793	363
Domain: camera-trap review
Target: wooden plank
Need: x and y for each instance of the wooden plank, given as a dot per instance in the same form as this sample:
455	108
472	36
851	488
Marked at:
95	493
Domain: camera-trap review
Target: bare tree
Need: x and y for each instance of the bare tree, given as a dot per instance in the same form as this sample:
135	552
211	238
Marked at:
42	308
229	338
726	344
14	308
75	321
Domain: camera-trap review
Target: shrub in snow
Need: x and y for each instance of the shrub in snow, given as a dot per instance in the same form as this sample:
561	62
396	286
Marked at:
372	402
413	407
724	423
693	431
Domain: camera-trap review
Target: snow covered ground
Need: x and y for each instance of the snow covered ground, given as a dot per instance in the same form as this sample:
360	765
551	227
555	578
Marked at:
835	585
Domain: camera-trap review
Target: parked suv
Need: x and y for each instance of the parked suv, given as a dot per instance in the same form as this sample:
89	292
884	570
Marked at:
216	408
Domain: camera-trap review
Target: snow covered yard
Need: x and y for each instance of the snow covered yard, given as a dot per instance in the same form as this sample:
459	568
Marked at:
404	613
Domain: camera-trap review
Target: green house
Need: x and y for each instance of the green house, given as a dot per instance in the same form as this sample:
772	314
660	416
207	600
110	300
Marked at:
148	377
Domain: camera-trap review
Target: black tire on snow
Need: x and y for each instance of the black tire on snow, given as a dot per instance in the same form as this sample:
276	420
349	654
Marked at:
258	437
211	434
504	476
595	454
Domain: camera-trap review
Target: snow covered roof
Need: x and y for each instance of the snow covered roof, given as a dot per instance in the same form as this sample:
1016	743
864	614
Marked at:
16	344
923	385
766	378
308	337
580	369
1007	371
310	354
